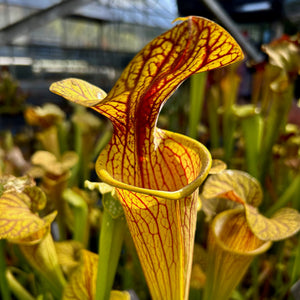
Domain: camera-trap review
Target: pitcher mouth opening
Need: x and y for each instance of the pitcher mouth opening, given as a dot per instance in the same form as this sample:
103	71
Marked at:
182	192
221	220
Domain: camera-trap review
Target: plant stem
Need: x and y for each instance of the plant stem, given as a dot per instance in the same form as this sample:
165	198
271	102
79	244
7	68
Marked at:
110	244
76	172
296	266
252	127
286	196
198	82
62	229
43	258
229	122
5	293
254	275
274	124
229	94
195	294
279	276
80	232
62	137
213	118
103	141
17	289
265	91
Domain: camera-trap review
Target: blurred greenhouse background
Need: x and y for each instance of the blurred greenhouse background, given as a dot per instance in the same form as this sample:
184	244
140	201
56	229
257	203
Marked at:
246	114
42	41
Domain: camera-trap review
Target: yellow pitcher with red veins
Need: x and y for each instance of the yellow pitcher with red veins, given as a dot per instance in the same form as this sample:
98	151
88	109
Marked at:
156	172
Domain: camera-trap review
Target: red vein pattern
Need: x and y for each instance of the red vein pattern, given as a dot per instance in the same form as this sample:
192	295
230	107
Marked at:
163	230
82	284
139	154
17	221
244	189
133	105
142	156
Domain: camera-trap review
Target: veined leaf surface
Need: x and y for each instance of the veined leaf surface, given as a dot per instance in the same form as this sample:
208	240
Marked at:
17	221
193	46
78	91
49	162
242	188
133	105
235	185
148	166
82	284
283	224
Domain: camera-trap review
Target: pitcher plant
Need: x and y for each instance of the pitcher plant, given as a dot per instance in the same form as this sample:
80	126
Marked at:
156	172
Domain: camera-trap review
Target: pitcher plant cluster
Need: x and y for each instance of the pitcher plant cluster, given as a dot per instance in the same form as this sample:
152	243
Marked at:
67	235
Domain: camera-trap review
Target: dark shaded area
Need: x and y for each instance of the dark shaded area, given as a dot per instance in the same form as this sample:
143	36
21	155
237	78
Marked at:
240	11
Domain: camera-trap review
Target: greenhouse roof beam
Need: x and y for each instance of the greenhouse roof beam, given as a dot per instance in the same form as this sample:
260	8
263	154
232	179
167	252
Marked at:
23	27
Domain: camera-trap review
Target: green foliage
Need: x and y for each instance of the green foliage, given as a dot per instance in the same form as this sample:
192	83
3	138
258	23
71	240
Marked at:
253	139
12	99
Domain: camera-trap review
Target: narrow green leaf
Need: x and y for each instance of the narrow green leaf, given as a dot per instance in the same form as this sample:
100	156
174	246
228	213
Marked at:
198	82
